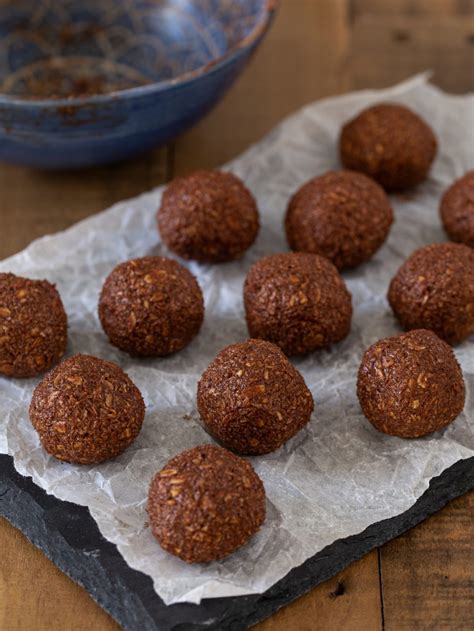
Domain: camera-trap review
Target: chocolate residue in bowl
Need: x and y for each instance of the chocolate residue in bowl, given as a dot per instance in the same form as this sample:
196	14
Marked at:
68	78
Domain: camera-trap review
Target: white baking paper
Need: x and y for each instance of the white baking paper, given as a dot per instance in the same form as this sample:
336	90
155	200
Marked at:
337	476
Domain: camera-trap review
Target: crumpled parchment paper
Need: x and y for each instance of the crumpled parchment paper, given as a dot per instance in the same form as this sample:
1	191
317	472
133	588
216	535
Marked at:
337	476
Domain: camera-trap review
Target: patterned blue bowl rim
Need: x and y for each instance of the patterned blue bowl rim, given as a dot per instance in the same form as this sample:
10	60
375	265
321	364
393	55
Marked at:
269	9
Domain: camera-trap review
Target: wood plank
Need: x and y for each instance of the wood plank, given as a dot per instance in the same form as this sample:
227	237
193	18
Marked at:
34	203
404	44
349	601
412	7
36	596
302	59
427	575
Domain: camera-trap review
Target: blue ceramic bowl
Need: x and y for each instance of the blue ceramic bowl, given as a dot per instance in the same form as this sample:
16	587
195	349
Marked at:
85	82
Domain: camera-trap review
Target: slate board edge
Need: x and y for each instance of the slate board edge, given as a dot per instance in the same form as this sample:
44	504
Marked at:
69	537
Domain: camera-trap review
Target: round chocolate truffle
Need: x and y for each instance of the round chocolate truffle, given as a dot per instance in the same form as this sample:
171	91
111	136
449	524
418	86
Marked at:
457	210
297	301
434	289
390	143
33	326
342	215
205	503
208	216
410	385
151	306
86	410
252	399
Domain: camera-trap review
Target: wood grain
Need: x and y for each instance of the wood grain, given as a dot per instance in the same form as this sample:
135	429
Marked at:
427	575
351	601
413	7
36	596
315	48
404	45
34	203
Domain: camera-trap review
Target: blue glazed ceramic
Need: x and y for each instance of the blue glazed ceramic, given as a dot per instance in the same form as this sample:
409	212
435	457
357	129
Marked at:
92	81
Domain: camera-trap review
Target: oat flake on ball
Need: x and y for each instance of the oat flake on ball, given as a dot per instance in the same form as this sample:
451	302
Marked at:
297	301
342	215
251	399
208	216
457	210
151	306
410	385
434	289
33	326
86	410
389	143
205	503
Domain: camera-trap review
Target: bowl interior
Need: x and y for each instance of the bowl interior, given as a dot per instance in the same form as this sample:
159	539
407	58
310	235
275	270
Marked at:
71	48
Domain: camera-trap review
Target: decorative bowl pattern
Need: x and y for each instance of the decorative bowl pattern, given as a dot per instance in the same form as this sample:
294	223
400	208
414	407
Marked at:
90	81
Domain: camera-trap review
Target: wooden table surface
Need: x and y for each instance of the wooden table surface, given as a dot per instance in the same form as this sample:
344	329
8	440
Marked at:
316	48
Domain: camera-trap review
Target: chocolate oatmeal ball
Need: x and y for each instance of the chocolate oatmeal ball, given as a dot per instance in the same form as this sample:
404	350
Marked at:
457	210
252	399
390	143
208	216
151	307
434	289
33	326
410	385
342	215
86	410
297	301
205	503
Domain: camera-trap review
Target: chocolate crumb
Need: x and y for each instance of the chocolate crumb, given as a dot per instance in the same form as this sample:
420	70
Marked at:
339	591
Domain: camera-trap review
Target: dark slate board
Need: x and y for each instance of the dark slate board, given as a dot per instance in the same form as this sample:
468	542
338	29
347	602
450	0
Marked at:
68	535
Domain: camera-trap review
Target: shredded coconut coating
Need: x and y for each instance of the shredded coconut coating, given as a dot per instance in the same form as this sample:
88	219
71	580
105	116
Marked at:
205	503
342	215
434	289
33	326
208	216
457	210
86	410
151	306
389	143
297	301
410	385
252	399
